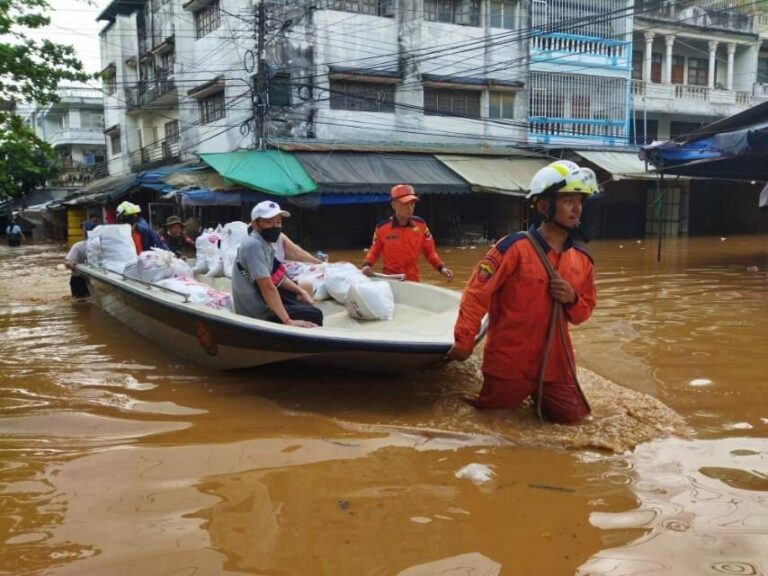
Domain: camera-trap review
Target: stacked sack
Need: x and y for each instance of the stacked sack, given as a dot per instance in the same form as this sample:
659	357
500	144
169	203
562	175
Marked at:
363	298
110	246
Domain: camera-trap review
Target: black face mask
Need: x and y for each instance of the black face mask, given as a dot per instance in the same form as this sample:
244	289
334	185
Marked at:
270	234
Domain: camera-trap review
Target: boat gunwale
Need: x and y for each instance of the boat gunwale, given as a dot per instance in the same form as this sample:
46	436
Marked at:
288	334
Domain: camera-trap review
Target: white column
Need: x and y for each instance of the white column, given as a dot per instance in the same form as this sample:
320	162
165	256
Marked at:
711	70
648	56
670	42
729	72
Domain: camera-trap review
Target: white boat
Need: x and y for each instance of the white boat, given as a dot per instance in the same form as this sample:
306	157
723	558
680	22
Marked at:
419	335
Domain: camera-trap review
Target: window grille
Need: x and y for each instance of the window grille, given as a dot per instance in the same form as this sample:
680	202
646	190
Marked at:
578	105
172	131
503	14
501	105
362	96
447	102
114	143
207	19
595	18
211	108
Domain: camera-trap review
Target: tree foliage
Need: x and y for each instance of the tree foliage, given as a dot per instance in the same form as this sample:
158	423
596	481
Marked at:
30	71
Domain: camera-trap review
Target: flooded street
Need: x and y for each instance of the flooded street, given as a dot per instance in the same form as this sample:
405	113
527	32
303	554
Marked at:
119	458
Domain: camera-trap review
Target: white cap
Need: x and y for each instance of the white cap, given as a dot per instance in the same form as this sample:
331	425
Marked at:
268	209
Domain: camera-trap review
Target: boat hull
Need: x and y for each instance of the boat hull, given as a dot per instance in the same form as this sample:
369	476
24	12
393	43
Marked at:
226	341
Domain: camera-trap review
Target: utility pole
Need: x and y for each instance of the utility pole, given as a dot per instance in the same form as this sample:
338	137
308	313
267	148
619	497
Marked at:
261	77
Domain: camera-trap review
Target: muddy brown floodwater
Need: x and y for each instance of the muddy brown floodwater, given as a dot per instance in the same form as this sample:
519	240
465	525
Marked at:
119	458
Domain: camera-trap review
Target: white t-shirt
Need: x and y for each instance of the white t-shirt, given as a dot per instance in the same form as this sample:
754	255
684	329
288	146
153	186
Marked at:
279	247
77	254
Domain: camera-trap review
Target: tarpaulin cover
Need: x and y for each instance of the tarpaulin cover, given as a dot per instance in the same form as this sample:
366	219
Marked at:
376	173
270	171
735	148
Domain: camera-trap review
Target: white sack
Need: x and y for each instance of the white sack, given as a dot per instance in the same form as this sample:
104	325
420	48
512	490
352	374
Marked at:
156	264
339	277
199	292
206	249
371	301
110	246
232	235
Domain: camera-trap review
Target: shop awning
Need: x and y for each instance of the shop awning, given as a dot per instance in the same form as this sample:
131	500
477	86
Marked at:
620	165
270	171
103	191
375	173
509	176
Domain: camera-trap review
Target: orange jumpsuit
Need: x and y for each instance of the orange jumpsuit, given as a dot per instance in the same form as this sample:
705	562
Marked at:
511	284
401	245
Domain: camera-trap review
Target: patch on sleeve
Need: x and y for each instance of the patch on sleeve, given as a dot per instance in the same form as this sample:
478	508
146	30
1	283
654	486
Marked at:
486	269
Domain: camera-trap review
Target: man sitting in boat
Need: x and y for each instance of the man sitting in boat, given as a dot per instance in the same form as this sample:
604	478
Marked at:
144	238
401	237
173	235
260	286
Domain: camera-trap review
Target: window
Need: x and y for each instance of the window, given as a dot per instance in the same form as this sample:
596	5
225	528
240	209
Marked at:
463	12
372	7
643	131
677	129
547	104
445	102
362	96
172	131
503	14
762	71
501	105
698	71
207	19
110	83
280	90
678	70
167	60
211	107
656	67
114	143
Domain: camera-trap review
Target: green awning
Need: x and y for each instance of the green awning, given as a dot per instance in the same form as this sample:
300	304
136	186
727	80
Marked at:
269	171
494	175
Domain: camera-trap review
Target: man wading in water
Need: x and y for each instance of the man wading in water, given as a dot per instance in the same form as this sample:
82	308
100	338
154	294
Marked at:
532	284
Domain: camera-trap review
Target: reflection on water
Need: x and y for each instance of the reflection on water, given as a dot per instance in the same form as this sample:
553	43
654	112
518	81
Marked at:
704	504
118	458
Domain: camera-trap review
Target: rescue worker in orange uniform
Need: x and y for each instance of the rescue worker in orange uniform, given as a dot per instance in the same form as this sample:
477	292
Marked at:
511	284
401	237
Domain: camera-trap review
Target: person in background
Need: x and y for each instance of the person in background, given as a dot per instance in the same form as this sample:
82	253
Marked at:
260	287
531	285
90	224
77	284
173	235
14	233
401	237
144	238
287	249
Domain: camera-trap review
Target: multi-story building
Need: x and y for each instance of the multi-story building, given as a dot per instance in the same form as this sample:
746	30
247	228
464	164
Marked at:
579	72
694	61
74	127
182	78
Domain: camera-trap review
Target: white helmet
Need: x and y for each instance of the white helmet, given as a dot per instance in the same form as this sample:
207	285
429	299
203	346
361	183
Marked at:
563	176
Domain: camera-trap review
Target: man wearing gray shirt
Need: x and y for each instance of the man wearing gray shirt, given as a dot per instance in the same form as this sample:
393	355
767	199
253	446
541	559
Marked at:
260	287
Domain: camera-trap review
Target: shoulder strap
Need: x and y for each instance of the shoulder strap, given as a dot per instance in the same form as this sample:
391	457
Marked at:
542	256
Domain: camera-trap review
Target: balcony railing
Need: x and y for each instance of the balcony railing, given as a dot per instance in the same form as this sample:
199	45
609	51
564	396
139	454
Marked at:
692	94
77	136
580	45
706	13
155	154
147	92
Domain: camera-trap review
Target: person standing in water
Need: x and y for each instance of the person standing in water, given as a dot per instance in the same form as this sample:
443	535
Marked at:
532	285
